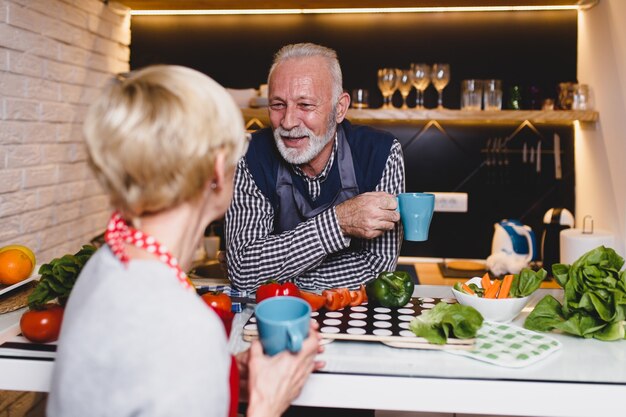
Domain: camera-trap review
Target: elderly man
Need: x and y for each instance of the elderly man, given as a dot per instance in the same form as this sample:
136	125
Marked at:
314	199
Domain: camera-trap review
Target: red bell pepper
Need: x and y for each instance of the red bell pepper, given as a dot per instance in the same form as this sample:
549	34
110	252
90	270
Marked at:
316	301
273	288
333	299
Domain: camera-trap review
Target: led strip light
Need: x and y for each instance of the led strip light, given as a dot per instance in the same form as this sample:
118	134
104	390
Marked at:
354	10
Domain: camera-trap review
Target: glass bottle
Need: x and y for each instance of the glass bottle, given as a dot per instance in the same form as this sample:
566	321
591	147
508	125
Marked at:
515	98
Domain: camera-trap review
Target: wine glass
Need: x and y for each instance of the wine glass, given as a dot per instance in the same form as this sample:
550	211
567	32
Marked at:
420	73
405	84
440	76
387	83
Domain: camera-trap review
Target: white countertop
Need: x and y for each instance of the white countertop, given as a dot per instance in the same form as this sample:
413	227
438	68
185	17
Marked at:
584	378
579	360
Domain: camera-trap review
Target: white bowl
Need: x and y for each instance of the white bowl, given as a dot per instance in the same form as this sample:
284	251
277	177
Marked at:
493	309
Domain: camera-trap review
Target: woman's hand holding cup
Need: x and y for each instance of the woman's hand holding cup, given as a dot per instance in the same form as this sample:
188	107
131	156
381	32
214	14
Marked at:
275	381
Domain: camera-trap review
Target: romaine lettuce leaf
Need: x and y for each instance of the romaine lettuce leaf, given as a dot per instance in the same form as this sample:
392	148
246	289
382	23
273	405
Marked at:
447	320
594	302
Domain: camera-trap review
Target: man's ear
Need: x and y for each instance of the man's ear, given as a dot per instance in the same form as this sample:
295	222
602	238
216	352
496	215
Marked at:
343	104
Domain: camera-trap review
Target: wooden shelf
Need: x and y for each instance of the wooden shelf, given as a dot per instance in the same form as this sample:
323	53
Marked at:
398	116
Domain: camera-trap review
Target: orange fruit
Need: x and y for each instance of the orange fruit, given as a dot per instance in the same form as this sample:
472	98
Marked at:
23	248
15	266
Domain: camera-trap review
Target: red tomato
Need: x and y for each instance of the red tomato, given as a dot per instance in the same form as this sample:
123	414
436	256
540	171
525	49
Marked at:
42	326
316	301
218	300
273	289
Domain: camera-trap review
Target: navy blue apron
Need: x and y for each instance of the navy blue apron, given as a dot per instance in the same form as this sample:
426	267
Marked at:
294	207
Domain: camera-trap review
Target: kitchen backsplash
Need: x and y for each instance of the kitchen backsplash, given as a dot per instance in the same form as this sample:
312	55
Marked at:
496	165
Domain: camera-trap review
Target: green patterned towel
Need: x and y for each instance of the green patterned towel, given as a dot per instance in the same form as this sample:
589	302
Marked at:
508	345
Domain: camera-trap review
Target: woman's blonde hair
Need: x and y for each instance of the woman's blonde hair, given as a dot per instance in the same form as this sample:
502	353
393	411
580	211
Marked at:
152	137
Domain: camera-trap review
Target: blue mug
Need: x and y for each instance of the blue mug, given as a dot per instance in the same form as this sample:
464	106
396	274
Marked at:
416	212
283	323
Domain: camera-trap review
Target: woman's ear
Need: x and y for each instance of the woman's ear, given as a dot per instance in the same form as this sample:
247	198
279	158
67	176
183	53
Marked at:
219	171
342	107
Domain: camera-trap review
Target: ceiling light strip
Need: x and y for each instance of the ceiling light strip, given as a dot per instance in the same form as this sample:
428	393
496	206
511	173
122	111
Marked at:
352	10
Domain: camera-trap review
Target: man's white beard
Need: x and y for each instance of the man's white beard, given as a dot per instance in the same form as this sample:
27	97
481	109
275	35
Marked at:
315	145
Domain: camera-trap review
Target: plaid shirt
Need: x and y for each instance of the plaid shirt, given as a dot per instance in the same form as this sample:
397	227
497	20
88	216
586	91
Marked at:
313	255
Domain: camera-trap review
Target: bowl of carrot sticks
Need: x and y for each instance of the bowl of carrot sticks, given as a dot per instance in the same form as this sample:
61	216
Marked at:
492	298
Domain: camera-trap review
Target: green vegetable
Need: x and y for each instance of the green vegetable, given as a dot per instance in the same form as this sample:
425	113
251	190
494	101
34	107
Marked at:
594	302
447	320
390	289
526	282
58	278
479	291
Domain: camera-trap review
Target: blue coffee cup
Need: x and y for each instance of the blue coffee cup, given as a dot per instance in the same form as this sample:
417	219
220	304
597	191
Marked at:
416	212
283	323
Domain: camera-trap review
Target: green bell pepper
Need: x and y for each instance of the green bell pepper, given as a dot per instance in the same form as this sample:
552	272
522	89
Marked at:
390	289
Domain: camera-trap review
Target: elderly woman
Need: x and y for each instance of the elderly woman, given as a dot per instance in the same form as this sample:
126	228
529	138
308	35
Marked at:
136	339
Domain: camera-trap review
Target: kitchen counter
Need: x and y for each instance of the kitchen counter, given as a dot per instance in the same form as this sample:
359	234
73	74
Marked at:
427	270
584	378
429	273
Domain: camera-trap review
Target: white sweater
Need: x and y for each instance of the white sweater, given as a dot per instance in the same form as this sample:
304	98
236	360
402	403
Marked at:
134	342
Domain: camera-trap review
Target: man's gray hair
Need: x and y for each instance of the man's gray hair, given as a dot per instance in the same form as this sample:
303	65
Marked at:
306	50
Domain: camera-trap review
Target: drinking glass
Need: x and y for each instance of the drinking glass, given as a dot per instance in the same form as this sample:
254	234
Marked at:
421	79
471	94
387	83
492	95
440	77
405	84
360	98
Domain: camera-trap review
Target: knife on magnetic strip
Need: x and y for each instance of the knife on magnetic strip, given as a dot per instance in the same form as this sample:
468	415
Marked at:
558	173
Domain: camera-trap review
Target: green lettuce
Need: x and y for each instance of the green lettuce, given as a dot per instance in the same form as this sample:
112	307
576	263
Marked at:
447	320
526	282
58	278
594	301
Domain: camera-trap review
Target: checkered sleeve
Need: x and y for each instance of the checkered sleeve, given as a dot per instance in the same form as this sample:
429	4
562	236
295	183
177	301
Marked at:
365	259
315	254
255	255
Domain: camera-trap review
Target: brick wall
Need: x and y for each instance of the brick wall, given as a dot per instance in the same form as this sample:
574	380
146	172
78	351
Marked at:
54	56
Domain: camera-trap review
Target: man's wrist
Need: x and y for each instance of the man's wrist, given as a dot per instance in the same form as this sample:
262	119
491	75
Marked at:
333	240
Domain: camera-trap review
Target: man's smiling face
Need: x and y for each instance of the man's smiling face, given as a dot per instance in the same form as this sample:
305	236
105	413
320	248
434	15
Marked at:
301	108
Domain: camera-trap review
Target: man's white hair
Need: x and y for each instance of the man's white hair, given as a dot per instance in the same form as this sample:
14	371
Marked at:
307	50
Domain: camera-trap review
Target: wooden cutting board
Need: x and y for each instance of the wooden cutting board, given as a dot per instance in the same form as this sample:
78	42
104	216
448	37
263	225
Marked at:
367	323
466	265
17	298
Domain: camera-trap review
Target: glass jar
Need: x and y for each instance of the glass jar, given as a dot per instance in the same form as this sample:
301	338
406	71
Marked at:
581	97
566	95
515	98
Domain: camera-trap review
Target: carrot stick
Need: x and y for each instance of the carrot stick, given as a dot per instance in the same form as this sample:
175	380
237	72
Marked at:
467	289
485	282
506	286
493	290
